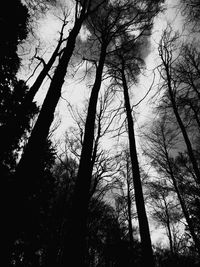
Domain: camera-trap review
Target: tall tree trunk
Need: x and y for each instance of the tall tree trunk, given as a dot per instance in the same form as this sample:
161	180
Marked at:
38	82
130	226
74	247
129	204
147	252
168	227
181	200
186	214
35	146
182	127
9	131
170	236
28	169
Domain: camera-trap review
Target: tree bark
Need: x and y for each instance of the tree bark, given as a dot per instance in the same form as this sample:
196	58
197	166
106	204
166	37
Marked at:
74	247
130	226
129	202
147	252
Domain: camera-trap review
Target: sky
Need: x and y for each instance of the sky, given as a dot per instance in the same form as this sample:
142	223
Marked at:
76	92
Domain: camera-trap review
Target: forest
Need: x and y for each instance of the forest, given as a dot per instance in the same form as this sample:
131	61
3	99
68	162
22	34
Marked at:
107	190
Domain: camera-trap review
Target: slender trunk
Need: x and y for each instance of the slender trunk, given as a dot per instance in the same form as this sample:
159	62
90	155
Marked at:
147	253
186	215
182	203
168	228
74	250
170	237
35	146
130	226
38	82
13	127
129	202
94	156
28	169
182	127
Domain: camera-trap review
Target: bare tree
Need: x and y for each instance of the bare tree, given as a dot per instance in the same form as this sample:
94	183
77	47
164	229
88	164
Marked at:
14	126
34	149
187	74
106	26
129	63
171	87
161	145
166	211
125	199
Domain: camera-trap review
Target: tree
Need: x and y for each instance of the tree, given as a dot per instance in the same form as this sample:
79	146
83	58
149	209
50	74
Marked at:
36	143
14	28
172	88
105	237
187	74
125	66
161	147
28	245
41	128
165	210
125	198
102	164
107	25
12	131
12	91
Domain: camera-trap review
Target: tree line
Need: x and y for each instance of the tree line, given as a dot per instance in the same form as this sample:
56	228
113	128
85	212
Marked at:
78	207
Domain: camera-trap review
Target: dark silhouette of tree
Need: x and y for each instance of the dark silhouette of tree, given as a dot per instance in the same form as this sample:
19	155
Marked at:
162	142
181	100
106	241
106	238
41	128
124	199
102	163
107	25
165	210
187	74
171	86
28	244
13	32
143	223
35	148
12	91
13	22
165	258
12	131
125	66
